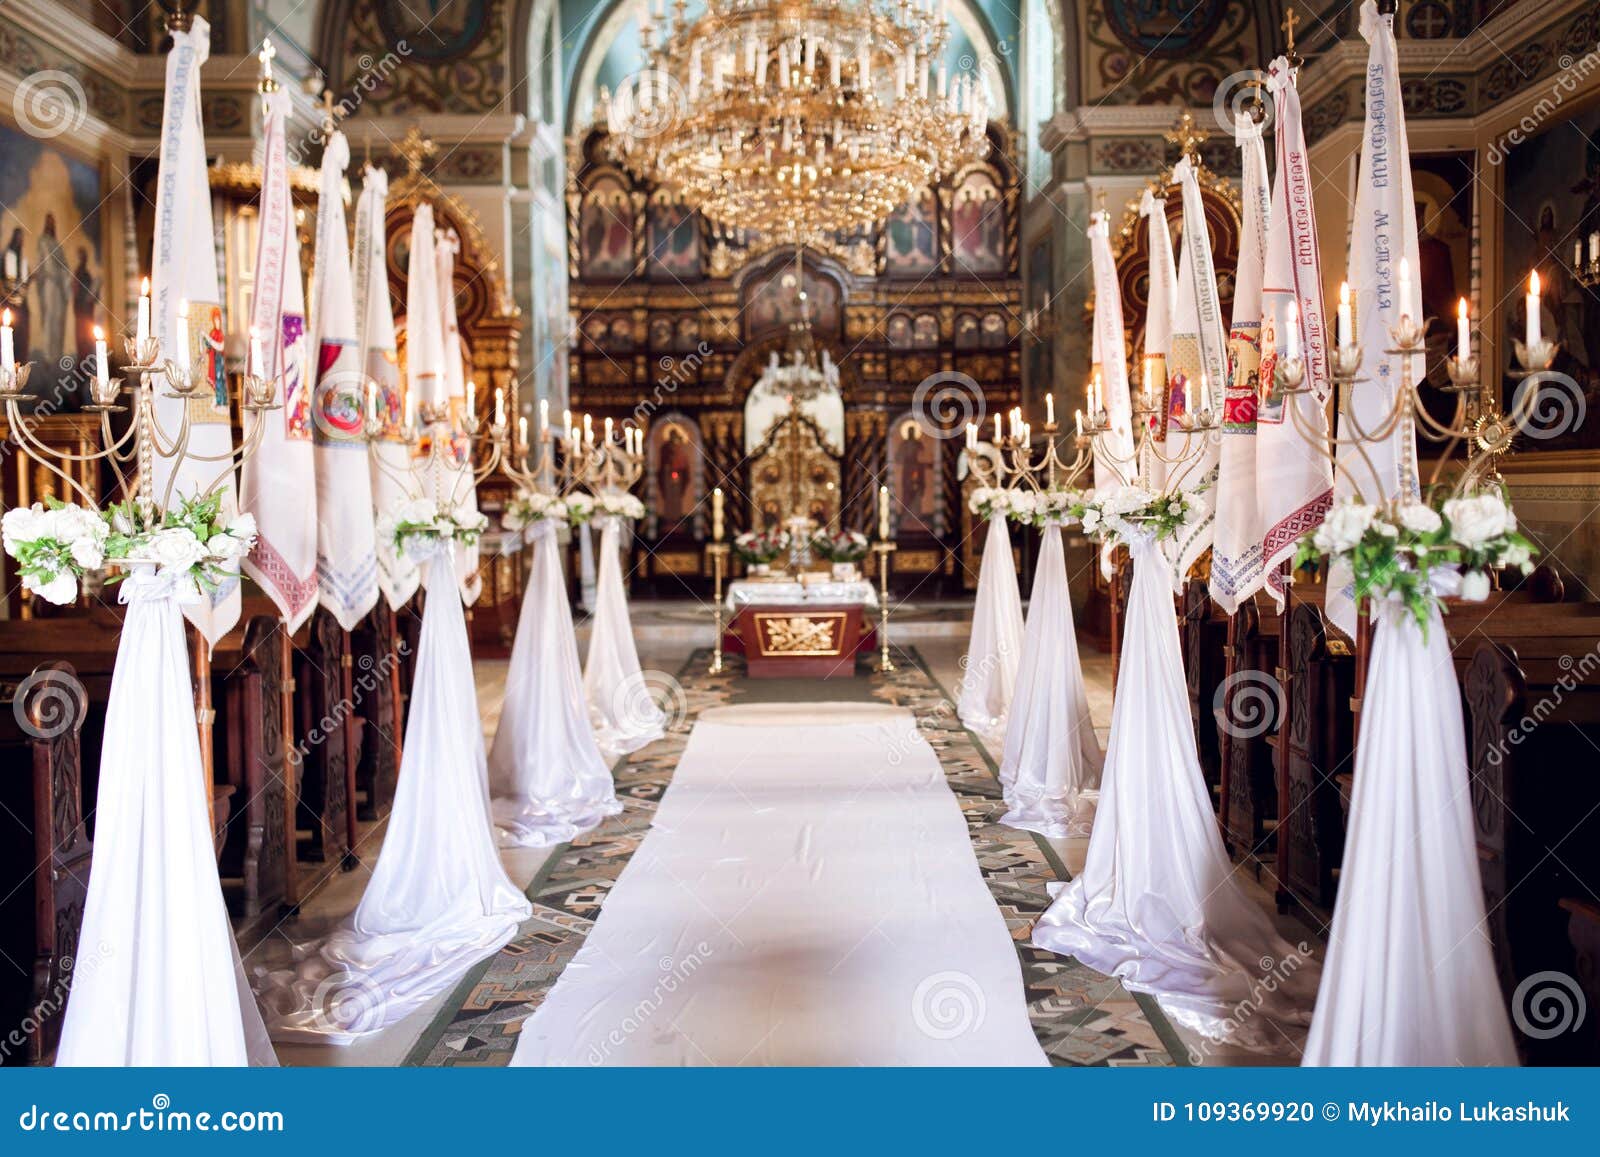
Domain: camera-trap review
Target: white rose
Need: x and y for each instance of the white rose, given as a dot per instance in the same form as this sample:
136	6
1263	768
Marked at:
1474	521
1387	529
60	589
225	545
1343	527
1091	520
1475	586
415	510
1519	556
243	526
173	549
88	553
23	524
1419	518
511	518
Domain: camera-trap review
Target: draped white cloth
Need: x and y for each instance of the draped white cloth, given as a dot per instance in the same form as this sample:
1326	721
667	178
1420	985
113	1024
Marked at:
546	774
158	979
1051	766
624	714
438	899
1383	233
806	895
347	543
278	481
1409	978
1158	323
183	268
995	648
1157	903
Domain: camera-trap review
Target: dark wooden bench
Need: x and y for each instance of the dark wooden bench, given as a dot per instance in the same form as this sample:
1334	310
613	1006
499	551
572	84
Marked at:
325	754
1204	632
1251	713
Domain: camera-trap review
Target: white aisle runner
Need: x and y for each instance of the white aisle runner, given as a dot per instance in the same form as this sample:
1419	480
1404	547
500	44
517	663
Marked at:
807	895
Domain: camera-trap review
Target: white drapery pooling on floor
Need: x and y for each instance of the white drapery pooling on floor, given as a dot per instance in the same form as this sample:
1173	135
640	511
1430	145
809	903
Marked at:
807	894
438	899
1050	768
1409	978
996	645
1157	903
625	716
546	774
157	979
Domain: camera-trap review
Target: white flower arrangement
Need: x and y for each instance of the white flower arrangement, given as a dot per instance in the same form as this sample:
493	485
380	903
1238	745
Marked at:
580	507
1041	507
56	544
531	506
1416	552
988	501
618	504
418	527
1121	514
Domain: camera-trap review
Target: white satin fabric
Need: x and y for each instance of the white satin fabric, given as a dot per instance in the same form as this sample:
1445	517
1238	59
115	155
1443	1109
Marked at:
1157	904
1050	770
806	895
546	773
157	980
1409	978
438	899
624	715
995	649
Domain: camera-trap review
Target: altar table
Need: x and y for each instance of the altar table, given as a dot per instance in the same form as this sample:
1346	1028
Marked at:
788	628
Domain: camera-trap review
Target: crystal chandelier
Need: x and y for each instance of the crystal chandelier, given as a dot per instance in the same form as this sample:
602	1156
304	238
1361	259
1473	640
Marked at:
798	118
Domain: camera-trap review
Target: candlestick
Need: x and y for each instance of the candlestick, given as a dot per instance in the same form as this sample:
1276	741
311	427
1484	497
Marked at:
258	365
1291	330
1344	314
142	331
8	354
181	345
1050	409
1205	393
499	406
997	436
522	431
544	421
1463	331
472	403
883	513
102	373
716	515
1535	322
1077	416
608	431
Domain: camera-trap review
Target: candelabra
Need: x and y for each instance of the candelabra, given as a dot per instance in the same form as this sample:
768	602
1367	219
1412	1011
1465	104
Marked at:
1108	439
1012	463
606	465
439	452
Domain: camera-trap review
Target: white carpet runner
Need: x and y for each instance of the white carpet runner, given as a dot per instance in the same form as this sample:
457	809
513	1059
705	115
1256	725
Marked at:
807	895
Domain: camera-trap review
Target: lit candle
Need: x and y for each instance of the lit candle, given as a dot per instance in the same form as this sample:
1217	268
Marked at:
588	427
522	431
972	436
1146	381
181	353
1291	330
499	406
1205	392
258	365
883	513
1534	320
102	373
1594	247
8	351
716	515
566	419
143	330
1577	254
1050	409
472	403
372	402
1463	331
1078	417
411	410
544	420
997	428
1405	288
608	431
1344	314
1099	393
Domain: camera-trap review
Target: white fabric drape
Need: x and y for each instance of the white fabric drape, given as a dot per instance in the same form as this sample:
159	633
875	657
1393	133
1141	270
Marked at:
1052	759
806	895
183	268
1158	323
278	481
1157	903
1408	928
158	979
546	774
625	716
995	648
438	899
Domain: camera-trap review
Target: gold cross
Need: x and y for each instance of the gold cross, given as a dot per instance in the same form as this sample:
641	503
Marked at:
416	149
1187	136
268	83
330	114
1290	20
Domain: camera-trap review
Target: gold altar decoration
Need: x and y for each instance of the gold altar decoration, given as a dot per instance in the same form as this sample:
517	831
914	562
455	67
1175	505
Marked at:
798	118
794	472
801	634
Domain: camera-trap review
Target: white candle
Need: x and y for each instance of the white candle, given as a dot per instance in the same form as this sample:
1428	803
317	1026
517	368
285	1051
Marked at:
608	431
544	420
1146	391
181	353
1534	320
499	406
1344	314
143	330
1463	331
1205	392
1291	330
411	410
883	513
1050	409
1594	247
472	403
1077	416
972	436
258	364
997	436
8	352
372	402
102	372
716	514
566	419
522	430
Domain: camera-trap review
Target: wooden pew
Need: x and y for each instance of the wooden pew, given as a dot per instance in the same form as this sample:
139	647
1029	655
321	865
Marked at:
379	651
1314	752
1249	790
1204	632
41	725
327	727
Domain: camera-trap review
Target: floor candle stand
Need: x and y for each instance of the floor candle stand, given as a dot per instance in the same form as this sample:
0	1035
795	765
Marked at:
719	564
883	549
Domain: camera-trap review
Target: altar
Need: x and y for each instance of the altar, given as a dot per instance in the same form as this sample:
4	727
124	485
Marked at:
809	626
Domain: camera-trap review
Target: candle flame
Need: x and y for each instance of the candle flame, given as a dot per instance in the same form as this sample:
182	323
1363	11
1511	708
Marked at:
99	334
1533	283
6	321
144	287
1344	293
1461	309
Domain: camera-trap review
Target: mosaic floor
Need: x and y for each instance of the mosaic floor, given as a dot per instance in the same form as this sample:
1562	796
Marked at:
1079	1016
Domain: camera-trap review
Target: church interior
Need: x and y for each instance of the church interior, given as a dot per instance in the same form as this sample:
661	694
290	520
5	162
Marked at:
800	532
